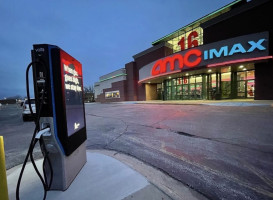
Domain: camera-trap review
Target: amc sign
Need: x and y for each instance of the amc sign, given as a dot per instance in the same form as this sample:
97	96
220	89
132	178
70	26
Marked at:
160	66
240	49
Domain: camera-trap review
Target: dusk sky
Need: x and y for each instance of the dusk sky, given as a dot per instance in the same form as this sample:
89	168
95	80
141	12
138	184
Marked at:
103	35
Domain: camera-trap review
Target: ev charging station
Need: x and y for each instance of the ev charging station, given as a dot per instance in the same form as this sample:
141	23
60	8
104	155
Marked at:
58	85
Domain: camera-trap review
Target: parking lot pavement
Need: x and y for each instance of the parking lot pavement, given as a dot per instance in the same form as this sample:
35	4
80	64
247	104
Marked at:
10	115
17	134
223	152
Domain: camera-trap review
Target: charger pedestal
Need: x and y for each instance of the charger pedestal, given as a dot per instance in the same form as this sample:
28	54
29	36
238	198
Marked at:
58	86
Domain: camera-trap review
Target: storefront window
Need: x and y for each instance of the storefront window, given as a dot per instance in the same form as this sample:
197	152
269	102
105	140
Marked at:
225	69
241	76
108	95
211	86
187	39
179	81
112	94
185	80
250	75
226	77
198	79
179	91
213	81
192	79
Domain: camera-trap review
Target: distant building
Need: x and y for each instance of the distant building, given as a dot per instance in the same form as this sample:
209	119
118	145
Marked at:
8	101
226	54
111	87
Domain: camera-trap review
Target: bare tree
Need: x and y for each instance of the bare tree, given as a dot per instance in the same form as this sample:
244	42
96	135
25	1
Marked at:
89	94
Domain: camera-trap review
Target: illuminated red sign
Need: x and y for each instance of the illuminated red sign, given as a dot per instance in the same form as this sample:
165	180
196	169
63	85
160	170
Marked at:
234	50
191	41
183	60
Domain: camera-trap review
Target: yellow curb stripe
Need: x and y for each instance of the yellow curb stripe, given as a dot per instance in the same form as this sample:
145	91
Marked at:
3	175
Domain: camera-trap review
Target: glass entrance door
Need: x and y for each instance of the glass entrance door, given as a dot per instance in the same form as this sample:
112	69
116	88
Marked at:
245	84
179	92
213	85
198	91
250	88
226	85
198	87
185	92
192	91
250	76
241	89
186	88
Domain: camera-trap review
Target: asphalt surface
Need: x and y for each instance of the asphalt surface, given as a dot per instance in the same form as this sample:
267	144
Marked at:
17	135
222	152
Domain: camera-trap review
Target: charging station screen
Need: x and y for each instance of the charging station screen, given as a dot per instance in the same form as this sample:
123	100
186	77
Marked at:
73	93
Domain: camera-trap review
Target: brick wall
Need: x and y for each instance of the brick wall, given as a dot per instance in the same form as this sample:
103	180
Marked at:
121	86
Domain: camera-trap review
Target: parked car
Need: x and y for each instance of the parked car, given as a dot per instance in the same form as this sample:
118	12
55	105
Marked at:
26	111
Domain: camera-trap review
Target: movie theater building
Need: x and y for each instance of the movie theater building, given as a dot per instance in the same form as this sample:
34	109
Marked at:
226	54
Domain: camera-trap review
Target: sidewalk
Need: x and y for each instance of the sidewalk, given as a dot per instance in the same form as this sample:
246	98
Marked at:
102	178
229	102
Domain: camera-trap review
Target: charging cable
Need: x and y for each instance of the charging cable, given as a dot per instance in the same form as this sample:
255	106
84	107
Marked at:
35	138
45	132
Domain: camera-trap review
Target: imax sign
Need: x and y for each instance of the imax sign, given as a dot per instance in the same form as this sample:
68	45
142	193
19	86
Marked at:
234	49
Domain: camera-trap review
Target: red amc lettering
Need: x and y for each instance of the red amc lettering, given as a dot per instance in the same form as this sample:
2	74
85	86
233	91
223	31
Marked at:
160	67
193	52
157	68
171	60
